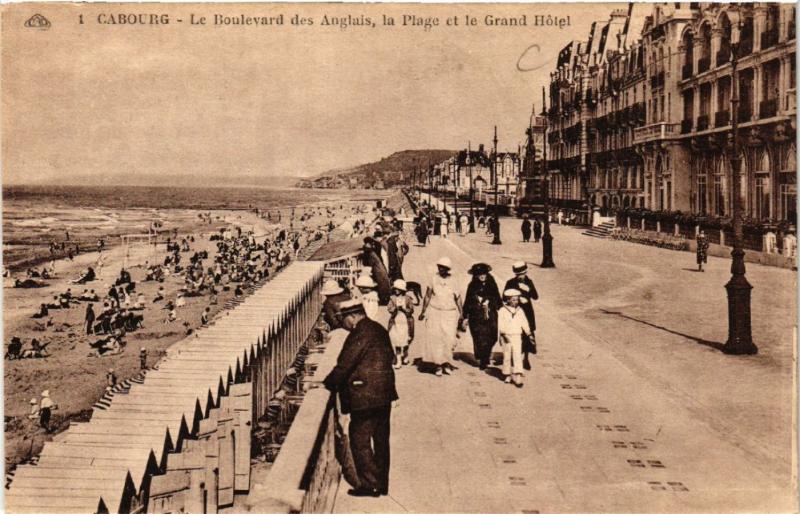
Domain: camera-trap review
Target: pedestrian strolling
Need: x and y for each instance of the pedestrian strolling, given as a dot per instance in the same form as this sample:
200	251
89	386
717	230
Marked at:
401	322
537	230
526	228
480	311
702	250
442	325
511	324
364	380
522	283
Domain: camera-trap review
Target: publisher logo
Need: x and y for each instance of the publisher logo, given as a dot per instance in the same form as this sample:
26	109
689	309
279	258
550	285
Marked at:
37	21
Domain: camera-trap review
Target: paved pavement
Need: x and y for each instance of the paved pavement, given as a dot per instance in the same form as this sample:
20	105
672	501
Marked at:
594	429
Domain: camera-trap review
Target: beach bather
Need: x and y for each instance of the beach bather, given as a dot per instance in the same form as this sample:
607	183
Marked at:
28	283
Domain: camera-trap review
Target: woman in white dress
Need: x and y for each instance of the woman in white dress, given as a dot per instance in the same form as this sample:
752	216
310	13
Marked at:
442	325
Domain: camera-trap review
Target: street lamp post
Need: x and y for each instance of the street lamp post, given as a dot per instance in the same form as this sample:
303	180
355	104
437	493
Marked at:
455	189
740	339
471	191
496	231
547	237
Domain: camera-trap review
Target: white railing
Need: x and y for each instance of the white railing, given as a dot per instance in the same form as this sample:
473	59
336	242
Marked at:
652	132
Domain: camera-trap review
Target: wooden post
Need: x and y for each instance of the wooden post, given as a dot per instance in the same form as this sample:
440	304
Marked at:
242	424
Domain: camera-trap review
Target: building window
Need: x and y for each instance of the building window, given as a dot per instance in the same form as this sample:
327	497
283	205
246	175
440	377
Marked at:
762	197
788	203
719	195
701	194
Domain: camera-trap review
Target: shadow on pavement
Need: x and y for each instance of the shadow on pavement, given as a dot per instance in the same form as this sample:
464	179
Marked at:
466	357
711	344
691	269
495	373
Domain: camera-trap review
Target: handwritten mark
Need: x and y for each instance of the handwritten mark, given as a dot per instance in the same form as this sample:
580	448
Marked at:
531	53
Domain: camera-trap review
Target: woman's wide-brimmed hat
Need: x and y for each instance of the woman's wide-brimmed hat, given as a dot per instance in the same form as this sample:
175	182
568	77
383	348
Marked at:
480	268
400	285
445	262
331	287
365	281
519	267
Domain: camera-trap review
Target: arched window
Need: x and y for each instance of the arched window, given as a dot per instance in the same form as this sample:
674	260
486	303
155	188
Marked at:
762	206
705	48
688	55
724	52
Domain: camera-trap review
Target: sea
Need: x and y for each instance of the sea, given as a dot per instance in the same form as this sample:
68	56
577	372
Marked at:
36	215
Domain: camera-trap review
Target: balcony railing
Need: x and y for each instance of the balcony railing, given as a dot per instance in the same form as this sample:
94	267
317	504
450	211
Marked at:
722	119
745	113
655	131
768	108
688	70
702	122
723	56
703	64
769	39
686	125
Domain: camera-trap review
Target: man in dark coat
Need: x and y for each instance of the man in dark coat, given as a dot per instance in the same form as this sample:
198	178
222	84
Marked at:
364	379
528	294
537	231
526	229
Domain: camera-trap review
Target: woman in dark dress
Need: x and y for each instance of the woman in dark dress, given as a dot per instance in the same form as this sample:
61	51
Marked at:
480	310
380	274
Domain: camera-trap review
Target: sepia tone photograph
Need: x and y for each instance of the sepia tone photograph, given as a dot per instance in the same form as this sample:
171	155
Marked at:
349	258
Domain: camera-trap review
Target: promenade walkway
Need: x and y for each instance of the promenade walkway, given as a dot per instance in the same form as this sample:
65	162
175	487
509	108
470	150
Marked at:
587	433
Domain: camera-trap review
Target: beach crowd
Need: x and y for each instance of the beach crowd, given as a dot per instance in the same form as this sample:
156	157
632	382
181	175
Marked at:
202	270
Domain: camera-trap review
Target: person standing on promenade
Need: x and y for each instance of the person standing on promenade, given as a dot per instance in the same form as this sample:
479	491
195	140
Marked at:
702	250
522	283
422	230
442	326
511	324
380	274
397	250
364	379
334	294
401	322
526	229
537	230
480	310
368	295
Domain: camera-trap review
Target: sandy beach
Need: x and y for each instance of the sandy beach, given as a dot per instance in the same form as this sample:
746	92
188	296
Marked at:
77	380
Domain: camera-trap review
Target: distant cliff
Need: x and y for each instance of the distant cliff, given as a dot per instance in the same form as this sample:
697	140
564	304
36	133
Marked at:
390	171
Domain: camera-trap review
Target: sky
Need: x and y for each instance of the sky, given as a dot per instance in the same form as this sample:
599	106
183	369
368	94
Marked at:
103	100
